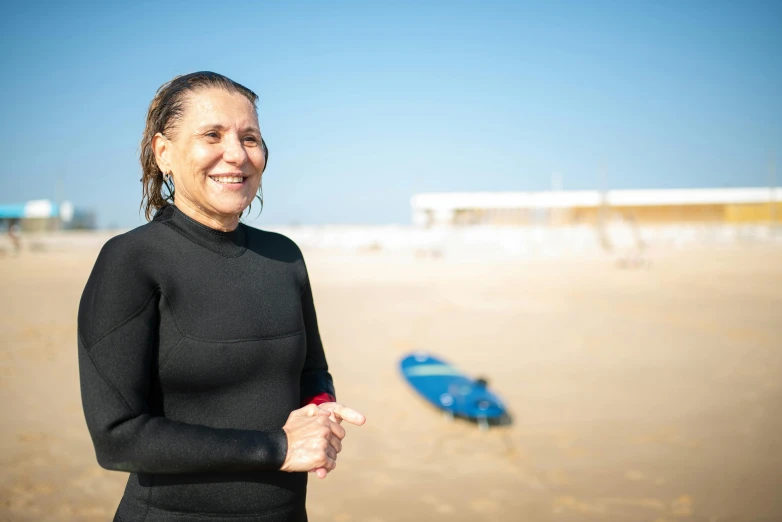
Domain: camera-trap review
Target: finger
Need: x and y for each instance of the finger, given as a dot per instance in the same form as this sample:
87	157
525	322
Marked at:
329	407
331	427
306	411
349	414
335	443
311	410
331	453
337	430
322	471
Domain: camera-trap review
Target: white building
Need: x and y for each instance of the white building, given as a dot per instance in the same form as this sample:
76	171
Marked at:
716	205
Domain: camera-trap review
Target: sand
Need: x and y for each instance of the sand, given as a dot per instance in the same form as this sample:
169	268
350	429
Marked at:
639	395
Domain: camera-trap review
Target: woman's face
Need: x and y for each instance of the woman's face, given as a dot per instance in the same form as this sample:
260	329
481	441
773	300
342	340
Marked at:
215	156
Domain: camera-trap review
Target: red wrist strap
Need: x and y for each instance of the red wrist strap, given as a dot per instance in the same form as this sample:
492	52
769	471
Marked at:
319	399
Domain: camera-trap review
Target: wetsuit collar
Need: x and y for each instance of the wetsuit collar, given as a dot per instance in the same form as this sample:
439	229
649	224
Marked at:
228	244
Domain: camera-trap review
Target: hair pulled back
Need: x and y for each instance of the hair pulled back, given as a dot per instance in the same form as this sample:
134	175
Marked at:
165	111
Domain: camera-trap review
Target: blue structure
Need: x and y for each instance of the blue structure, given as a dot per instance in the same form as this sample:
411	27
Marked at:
37	209
12	211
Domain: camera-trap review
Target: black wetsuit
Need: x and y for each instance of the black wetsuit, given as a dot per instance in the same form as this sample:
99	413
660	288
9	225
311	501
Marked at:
194	347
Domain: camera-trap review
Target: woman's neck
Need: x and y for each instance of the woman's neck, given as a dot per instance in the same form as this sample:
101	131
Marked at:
197	213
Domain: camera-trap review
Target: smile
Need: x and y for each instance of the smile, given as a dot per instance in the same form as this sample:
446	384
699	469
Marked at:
228	180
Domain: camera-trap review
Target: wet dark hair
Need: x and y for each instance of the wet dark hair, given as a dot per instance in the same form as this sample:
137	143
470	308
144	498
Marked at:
164	113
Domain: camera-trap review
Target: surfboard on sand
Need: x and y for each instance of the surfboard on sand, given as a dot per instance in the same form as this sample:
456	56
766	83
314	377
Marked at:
448	389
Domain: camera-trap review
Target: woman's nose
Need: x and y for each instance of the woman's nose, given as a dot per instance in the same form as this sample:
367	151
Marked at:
234	152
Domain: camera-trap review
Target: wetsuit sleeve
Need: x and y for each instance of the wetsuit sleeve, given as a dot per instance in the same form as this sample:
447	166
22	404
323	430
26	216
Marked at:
316	383
118	328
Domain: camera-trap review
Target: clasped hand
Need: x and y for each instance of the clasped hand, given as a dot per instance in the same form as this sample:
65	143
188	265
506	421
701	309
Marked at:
315	437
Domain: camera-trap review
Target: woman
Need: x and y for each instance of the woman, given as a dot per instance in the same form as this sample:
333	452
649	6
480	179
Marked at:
202	370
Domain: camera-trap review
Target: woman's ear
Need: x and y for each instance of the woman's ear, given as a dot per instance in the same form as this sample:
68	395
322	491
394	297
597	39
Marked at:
161	147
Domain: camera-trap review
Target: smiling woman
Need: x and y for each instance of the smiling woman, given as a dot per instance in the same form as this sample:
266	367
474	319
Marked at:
201	366
213	152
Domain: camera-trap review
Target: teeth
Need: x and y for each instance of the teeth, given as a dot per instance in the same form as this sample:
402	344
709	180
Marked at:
228	179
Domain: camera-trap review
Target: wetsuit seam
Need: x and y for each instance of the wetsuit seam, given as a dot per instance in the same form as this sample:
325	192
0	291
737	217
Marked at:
173	315
149	496
122	323
109	384
221	341
249	340
199	243
164	362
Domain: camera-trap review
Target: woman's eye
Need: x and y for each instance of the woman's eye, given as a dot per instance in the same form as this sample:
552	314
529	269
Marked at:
212	134
251	139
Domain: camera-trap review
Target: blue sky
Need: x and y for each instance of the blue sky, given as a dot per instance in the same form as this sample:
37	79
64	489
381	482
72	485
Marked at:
364	103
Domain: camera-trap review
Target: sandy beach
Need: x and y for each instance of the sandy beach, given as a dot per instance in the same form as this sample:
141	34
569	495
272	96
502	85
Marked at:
637	395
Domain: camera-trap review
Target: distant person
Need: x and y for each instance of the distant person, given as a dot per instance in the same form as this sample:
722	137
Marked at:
202	370
626	241
13	234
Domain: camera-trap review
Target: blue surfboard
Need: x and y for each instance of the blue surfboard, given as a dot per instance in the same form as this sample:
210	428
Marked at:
448	389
